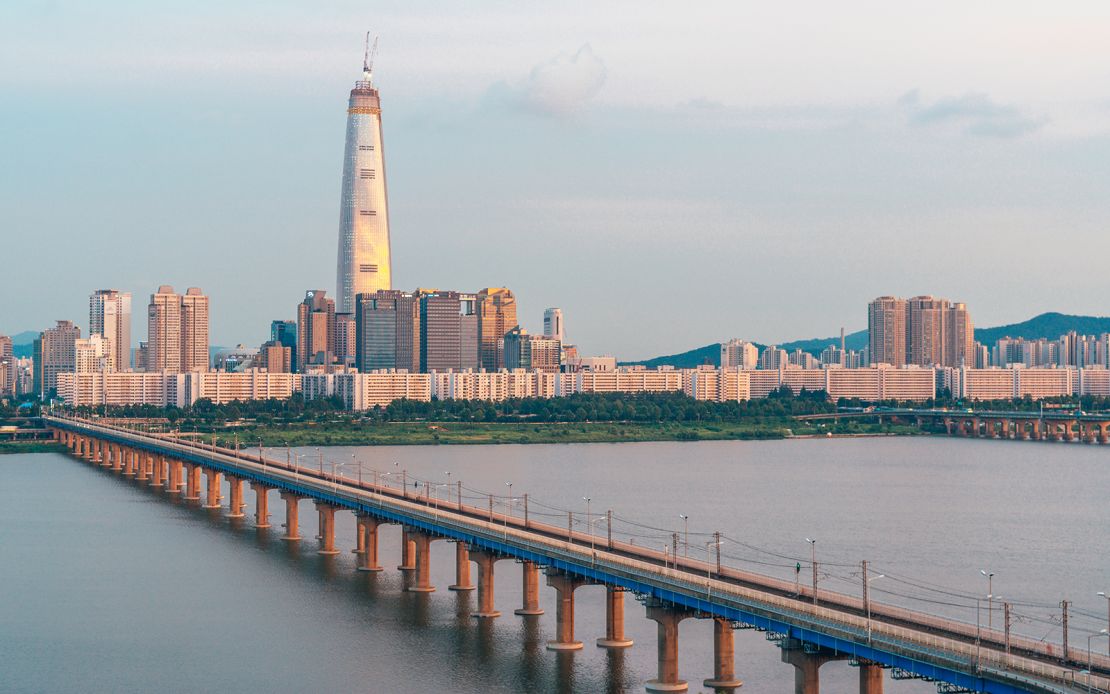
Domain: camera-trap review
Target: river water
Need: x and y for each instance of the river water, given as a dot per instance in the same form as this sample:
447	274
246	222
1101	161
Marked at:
111	587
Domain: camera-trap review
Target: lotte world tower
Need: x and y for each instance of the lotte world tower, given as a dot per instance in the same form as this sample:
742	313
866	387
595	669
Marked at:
364	264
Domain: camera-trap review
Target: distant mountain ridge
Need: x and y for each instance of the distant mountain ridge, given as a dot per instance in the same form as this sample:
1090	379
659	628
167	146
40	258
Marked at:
1050	325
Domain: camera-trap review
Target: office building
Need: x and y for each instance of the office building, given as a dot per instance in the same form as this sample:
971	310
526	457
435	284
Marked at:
315	330
274	357
284	333
531	352
110	316
553	324
364	254
496	309
440	330
345	339
387	331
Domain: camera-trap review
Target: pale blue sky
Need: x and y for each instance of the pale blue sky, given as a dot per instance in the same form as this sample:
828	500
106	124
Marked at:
669	177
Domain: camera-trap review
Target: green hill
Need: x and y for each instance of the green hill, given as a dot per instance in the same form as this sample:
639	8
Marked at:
1050	325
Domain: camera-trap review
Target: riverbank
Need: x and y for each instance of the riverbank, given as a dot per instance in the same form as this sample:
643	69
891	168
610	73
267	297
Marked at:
48	446
478	433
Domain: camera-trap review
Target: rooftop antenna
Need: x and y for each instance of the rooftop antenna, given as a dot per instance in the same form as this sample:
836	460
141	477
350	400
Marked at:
368	57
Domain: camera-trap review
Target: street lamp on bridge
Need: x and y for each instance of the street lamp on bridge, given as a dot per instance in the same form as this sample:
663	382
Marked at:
813	563
685	534
990	600
1104	596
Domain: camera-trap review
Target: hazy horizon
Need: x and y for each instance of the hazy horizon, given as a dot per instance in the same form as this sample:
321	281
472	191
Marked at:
669	178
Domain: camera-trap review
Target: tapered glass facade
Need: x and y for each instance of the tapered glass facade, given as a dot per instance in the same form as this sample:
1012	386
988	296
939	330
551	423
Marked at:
364	260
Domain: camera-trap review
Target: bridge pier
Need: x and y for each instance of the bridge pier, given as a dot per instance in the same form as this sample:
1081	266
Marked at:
126	459
174	473
564	585
292	532
667	619
485	561
408	552
235	485
192	482
614	619
806	665
462	568
367	529
724	658
870	677
327	528
212	500
158	464
530	573
261	505
140	464
422	544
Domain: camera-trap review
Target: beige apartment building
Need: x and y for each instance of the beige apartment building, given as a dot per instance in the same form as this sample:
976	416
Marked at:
177	331
110	316
364	391
626	381
717	385
468	384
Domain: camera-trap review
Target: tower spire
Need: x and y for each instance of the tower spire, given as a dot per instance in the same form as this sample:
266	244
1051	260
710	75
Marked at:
368	53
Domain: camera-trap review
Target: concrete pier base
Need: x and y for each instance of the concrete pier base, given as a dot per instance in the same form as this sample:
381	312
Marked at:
367	528
530	573
140	465
127	460
614	620
564	586
870	677
462	569
408	552
484	561
235	486
192	482
422	546
292	528
806	666
157	466
261	505
724	656
212	499
327	528
173	486
667	677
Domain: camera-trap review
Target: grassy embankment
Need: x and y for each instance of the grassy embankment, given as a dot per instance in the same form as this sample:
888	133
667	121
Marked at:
31	447
426	433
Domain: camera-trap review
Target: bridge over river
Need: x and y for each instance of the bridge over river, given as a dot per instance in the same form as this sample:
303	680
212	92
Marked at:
1047	425
810	626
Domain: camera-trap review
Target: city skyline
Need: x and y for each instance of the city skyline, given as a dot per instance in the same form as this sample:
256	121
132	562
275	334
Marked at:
863	192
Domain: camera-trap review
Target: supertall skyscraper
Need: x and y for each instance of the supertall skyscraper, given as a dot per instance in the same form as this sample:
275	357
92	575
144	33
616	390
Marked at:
364	261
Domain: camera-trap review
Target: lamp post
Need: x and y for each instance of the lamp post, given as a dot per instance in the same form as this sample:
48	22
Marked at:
990	600
813	563
685	534
1104	596
867	596
589	529
709	567
1102	632
510	502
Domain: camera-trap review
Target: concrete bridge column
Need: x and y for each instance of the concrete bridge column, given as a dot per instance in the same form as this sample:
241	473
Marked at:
327	528
530	573
192	482
368	531
462	568
564	586
292	531
125	459
1068	431
111	457
724	658
806	666
140	463
157	468
485	561
1102	433
667	679
235	485
422	544
261	505
212	500
360	537
408	552
174	473
870	677
614	619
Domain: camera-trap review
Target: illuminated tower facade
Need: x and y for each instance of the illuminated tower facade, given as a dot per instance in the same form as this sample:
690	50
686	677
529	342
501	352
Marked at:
364	261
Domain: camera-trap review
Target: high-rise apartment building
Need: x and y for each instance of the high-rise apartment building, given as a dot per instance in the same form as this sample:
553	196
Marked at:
177	331
886	326
345	339
553	324
364	256
194	331
315	330
110	316
55	353
496	309
925	338
92	354
163	328
739	353
7	367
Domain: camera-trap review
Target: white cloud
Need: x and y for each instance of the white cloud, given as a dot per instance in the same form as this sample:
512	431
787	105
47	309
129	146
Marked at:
971	113
559	86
